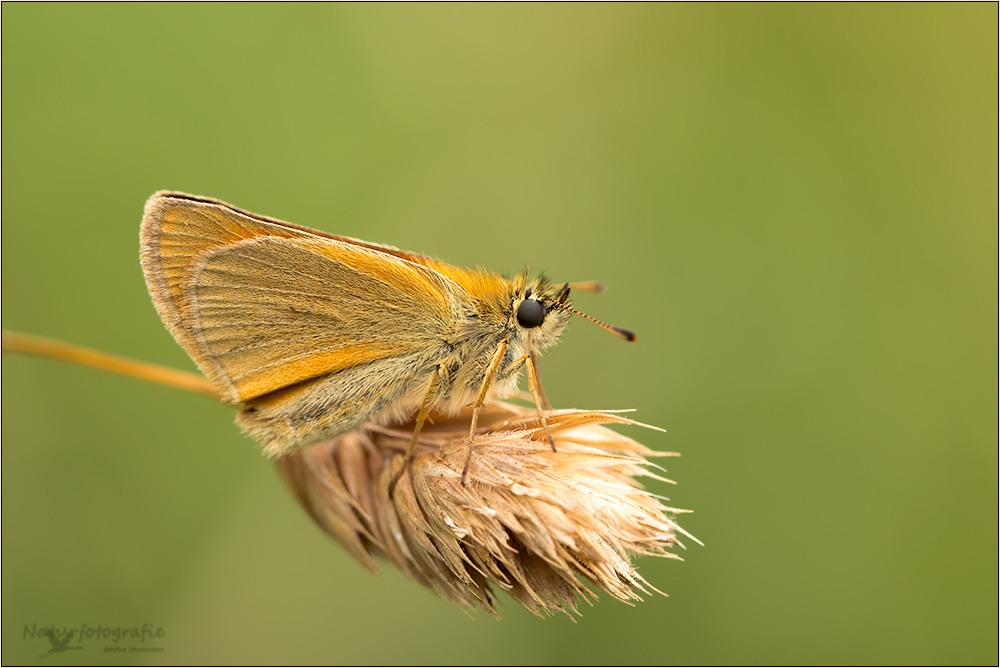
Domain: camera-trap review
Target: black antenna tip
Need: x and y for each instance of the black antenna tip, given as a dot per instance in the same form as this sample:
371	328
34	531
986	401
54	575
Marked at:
627	335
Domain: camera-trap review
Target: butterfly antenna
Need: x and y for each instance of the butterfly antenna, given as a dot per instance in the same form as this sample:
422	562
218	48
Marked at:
617	331
588	286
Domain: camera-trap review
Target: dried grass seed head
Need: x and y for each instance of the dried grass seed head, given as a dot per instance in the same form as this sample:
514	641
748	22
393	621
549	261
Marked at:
538	524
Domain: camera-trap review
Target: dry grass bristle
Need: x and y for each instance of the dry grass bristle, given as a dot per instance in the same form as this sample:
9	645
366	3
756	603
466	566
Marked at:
538	524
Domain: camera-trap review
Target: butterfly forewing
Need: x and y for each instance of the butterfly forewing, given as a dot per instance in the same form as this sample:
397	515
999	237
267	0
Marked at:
261	305
270	313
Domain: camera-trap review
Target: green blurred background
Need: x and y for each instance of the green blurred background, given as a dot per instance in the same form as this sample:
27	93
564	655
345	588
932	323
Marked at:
794	206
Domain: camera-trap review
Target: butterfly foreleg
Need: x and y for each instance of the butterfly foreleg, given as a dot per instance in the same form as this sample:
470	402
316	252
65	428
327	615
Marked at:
529	360
538	381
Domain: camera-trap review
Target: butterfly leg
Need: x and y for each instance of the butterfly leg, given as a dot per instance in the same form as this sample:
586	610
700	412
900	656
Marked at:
529	360
538	381
421	418
491	371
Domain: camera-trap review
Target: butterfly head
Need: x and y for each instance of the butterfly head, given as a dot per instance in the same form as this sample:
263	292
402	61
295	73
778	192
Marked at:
542	310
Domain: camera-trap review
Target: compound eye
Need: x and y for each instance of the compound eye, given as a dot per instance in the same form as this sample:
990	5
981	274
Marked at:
530	313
